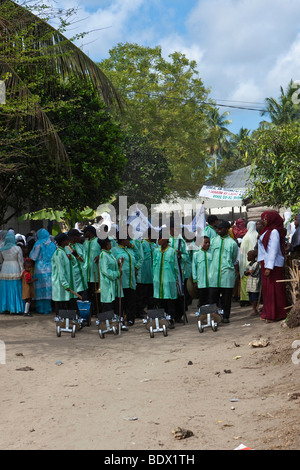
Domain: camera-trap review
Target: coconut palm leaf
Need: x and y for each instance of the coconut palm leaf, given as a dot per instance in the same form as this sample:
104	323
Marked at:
58	51
36	119
30	46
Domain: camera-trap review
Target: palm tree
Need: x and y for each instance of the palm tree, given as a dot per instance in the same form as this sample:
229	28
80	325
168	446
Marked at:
217	134
29	46
283	110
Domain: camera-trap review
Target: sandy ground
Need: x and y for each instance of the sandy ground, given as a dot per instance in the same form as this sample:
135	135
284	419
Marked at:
129	392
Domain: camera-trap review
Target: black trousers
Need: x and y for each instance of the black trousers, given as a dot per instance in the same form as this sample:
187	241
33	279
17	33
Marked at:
222	297
128	305
93	297
107	307
169	306
203	296
144	298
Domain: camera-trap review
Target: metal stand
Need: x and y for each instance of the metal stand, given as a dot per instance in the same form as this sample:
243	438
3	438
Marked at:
106	324
208	317
157	321
67	321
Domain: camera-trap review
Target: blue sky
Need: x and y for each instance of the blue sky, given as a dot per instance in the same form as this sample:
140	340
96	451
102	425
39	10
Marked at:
244	49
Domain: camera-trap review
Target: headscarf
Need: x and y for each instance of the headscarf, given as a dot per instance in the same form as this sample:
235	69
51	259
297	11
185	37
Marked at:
296	237
239	230
47	246
9	241
248	244
274	222
77	227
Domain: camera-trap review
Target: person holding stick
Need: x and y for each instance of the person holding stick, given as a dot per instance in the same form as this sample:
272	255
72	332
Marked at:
124	251
109	276
91	252
165	278
63	290
75	255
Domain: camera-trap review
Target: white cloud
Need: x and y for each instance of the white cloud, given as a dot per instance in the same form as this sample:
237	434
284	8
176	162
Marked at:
248	89
286	67
105	26
245	49
176	42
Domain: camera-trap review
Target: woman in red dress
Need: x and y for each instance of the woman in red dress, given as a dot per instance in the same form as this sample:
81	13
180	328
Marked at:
271	252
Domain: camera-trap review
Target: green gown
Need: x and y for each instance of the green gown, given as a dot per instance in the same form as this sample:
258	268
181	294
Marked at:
165	273
138	253
224	252
210	232
188	265
129	265
77	269
91	250
61	276
174	243
109	276
201	268
145	273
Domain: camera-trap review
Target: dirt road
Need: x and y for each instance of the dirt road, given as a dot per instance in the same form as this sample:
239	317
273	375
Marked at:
130	392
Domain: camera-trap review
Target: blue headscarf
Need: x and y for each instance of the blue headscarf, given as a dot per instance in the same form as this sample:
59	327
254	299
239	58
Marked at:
295	242
47	246
10	241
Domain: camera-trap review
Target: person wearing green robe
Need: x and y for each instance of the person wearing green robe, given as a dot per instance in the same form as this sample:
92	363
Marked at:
124	252
75	253
144	290
62	282
138	252
179	245
91	251
109	277
165	277
222	276
200	271
210	229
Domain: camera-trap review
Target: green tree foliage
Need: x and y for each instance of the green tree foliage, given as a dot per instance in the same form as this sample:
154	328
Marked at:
34	162
146	174
232	157
93	142
217	138
166	102
283	110
274	155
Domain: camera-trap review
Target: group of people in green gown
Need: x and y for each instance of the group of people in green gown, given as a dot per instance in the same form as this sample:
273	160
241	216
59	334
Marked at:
131	275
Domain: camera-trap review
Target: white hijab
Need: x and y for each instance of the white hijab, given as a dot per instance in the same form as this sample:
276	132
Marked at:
248	243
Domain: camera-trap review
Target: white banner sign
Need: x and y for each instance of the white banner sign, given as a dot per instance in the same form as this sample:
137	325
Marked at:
221	194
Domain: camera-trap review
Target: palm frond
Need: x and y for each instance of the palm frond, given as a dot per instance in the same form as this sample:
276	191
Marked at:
45	42
29	47
36	119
